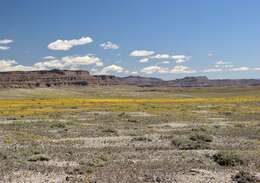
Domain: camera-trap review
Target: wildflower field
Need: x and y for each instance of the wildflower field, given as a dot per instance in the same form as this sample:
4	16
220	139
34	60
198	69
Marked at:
92	134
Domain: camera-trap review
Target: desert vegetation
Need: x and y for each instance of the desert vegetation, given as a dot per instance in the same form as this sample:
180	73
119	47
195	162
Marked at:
130	134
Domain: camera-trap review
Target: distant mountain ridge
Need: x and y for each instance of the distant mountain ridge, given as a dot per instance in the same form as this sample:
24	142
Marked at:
60	78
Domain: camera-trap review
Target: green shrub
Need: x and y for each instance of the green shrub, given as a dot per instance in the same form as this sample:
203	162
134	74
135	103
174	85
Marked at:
187	144
197	140
227	158
39	157
110	130
146	139
201	137
58	125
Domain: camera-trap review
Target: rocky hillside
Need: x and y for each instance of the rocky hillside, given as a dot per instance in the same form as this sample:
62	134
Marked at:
30	79
59	78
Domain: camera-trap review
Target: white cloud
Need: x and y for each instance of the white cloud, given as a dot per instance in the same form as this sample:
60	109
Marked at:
212	70
69	62
134	73
141	53
180	69
6	41
228	66
4	47
82	60
221	62
177	57
11	65
239	69
109	45
48	58
144	60
180	61
180	58
21	68
154	69
65	45
165	62
112	69
160	56
7	63
210	55
147	55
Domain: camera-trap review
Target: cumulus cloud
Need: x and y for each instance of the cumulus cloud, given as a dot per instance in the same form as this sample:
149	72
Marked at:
7	63
49	62
154	69
212	70
160	56
165	62
4	47
144	60
180	69
65	45
69	62
11	65
239	69
134	73
48	58
141	53
221	62
112	69
109	45
6	41
180	58
180	61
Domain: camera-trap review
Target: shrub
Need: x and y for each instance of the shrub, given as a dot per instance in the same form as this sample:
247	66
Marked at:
203	137
58	125
187	144
227	158
39	157
244	177
197	140
141	139
3	156
110	130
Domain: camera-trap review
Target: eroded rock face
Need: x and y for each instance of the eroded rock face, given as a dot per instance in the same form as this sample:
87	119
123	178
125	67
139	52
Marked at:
31	79
60	78
203	81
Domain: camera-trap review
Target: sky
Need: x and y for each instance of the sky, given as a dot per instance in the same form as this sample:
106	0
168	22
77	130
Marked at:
168	39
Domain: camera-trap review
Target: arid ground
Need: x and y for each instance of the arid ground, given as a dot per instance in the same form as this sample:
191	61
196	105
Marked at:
130	135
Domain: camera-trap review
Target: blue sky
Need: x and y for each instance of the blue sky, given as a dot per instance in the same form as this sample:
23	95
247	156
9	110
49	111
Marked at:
167	39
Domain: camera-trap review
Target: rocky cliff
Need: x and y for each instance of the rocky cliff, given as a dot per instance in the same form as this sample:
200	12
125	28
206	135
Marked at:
27	79
60	78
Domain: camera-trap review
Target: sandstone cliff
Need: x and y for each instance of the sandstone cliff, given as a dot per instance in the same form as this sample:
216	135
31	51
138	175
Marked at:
60	78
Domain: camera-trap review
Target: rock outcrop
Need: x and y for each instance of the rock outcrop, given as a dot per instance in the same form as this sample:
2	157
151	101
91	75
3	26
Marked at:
31	79
60	78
